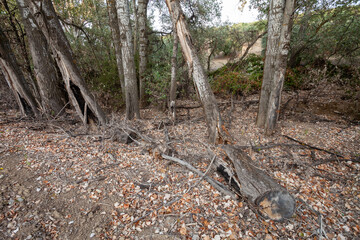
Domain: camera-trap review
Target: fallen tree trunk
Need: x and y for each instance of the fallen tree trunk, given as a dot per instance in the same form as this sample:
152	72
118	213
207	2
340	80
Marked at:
271	199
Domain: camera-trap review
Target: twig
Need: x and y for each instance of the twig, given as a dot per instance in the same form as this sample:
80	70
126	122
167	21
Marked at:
321	231
218	186
319	162
313	147
206	172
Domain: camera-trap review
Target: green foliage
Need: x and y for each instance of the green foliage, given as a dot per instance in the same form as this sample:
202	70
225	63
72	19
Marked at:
239	79
254	66
108	84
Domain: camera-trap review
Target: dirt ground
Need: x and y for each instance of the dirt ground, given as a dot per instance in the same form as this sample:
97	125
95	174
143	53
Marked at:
61	180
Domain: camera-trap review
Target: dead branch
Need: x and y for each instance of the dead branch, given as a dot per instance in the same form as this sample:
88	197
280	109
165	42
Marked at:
313	147
323	161
217	185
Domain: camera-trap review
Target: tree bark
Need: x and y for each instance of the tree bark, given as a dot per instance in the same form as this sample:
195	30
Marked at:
127	51
173	86
115	31
143	41
21	41
52	99
77	90
15	79
136	27
207	98
270	198
275	62
280	66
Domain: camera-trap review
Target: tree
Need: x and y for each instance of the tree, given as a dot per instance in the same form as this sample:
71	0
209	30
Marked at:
173	86
80	97
127	51
207	98
16	79
275	63
50	88
115	31
143	41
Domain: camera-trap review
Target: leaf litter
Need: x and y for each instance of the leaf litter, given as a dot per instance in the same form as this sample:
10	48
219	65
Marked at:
86	186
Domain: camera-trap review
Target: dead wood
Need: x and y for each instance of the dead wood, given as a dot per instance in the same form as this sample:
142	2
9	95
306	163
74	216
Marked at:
323	161
272	200
217	185
313	147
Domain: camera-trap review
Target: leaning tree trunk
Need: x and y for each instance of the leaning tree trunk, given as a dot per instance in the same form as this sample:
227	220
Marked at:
173	86
270	198
275	62
81	98
127	51
142	17
52	99
115	31
16	79
212	113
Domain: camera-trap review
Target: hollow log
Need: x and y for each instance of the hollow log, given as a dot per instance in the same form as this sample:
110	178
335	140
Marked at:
270	198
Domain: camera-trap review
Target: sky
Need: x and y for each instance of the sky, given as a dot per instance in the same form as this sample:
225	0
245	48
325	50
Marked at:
231	12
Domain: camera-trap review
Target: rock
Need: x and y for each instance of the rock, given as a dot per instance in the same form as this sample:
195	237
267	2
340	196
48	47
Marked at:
268	237
56	214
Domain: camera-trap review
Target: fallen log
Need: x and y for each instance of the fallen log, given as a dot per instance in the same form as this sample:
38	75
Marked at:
270	198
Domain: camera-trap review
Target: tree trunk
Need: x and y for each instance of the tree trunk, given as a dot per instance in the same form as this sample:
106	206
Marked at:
136	28
143	40
79	95
16	79
212	114
19	36
173	86
275	62
115	31
127	51
52	99
280	66
271	199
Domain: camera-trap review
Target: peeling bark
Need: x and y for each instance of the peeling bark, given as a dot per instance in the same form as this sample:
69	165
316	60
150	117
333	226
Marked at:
52	99
127	51
79	95
212	114
15	79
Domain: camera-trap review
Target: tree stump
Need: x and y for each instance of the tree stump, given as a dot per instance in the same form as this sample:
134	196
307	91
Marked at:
271	199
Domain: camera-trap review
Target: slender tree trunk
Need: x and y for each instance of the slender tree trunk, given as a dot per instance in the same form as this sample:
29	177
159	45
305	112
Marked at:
211	110
52	99
280	66
16	79
274	29
275	61
136	28
127	51
79	95
143	40
173	86
114	25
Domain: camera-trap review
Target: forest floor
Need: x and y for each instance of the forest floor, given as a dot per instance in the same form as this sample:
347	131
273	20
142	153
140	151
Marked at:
61	180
